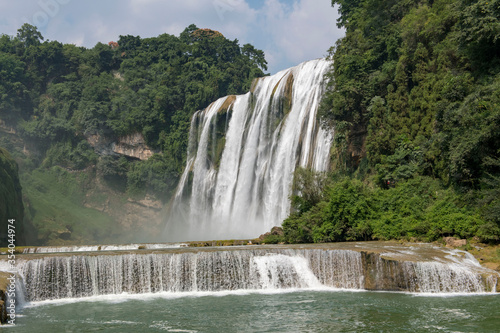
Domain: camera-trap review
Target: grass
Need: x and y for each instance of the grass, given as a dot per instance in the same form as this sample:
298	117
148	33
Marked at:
55	203
487	255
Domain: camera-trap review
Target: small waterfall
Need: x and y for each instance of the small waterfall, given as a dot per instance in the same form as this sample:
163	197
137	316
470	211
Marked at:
243	151
56	277
83	276
279	271
453	274
434	277
329	267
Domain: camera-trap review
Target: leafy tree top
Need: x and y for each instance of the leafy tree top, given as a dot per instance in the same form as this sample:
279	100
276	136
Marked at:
206	33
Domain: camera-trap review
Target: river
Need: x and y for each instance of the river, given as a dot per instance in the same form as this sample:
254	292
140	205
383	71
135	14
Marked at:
244	311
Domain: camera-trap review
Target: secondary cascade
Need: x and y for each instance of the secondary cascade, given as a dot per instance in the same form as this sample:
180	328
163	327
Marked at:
243	151
206	270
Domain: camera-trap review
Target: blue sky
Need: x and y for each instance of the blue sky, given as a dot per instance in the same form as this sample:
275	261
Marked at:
289	32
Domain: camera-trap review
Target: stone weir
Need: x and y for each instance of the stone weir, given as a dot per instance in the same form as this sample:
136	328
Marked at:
389	266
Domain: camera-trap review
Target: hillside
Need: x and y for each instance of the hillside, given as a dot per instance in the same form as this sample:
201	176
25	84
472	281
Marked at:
101	134
414	98
11	201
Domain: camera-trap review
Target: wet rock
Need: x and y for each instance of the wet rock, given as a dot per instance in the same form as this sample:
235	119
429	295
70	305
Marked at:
278	231
3	297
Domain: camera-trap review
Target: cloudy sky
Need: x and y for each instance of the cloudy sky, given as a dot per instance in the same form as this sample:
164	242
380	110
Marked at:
289	31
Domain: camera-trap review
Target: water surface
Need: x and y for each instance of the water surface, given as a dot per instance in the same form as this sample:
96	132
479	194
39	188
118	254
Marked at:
300	311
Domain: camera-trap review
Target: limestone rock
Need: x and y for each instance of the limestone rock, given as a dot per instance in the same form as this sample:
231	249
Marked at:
454	242
133	145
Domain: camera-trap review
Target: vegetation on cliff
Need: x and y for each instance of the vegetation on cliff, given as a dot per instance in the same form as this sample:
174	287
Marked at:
11	200
60	99
414	98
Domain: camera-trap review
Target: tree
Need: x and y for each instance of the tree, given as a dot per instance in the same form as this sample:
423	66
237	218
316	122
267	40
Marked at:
29	35
257	56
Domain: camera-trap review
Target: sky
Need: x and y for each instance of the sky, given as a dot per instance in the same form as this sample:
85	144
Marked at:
288	31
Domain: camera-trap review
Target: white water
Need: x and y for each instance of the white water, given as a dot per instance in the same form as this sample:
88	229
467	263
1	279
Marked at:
244	191
273	270
435	277
84	276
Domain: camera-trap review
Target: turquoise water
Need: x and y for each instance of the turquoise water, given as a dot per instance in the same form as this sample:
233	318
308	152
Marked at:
301	311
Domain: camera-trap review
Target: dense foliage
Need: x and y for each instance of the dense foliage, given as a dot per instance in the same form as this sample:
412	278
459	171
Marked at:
419	208
62	106
11	202
58	96
414	98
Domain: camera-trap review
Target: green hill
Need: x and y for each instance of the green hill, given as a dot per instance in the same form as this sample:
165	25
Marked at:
414	98
101	133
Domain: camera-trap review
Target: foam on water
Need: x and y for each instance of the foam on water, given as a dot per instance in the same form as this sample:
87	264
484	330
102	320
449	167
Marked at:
125	297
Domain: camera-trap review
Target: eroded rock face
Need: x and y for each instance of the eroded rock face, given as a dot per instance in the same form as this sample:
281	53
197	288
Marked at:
100	143
134	146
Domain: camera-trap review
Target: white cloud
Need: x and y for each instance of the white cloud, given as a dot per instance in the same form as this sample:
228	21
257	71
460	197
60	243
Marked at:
304	31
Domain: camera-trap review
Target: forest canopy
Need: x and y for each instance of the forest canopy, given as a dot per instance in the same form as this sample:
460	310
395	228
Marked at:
58	95
414	97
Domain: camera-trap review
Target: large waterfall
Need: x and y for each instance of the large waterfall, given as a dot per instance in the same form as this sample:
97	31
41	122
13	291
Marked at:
243	151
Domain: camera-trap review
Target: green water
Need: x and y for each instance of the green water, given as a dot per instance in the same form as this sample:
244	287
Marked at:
304	311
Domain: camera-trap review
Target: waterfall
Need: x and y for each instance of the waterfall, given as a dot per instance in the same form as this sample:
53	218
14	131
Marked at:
188	270
83	276
243	151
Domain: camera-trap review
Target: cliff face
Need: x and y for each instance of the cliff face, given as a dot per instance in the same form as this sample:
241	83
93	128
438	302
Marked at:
132	145
11	199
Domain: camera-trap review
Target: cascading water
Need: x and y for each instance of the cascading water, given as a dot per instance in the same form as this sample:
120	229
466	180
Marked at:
83	276
243	151
189	270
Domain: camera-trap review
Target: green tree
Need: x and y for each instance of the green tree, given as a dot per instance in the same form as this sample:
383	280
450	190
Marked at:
29	35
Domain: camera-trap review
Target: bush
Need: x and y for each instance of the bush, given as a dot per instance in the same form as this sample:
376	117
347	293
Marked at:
158	176
419	208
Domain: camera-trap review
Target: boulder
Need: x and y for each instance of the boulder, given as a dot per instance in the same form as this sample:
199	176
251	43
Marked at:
454	242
